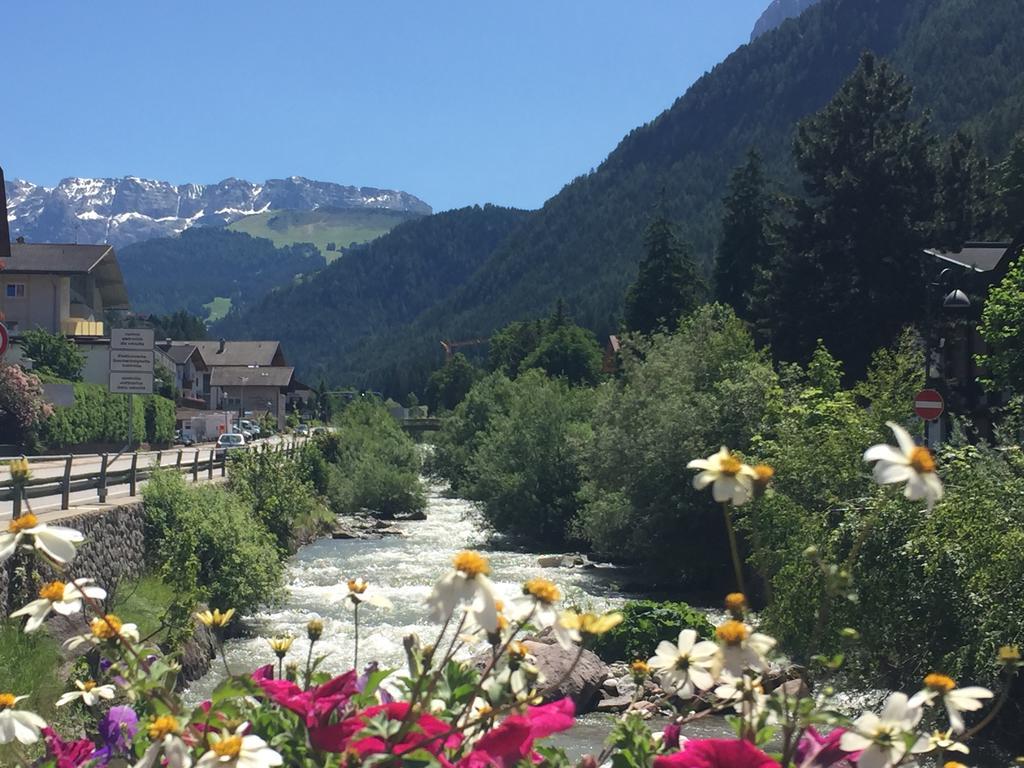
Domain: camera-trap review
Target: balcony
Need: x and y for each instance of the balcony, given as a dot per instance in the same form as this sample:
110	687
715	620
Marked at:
79	326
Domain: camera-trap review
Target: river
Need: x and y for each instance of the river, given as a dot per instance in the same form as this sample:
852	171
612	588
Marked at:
404	569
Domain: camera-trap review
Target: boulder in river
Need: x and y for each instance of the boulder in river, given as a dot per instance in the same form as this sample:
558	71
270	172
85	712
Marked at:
581	685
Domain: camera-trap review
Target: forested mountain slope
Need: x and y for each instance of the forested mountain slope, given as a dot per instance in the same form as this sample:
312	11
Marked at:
962	57
375	287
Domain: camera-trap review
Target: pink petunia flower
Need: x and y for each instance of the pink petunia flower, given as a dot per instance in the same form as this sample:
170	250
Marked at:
513	740
716	753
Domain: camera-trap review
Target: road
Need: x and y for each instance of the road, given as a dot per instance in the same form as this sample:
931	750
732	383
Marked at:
45	466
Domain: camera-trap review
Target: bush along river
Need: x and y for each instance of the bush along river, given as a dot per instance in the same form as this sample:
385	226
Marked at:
404	569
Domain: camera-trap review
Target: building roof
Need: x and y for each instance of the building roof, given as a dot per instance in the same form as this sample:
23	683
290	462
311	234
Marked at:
978	257
261	376
65	259
240	353
178	351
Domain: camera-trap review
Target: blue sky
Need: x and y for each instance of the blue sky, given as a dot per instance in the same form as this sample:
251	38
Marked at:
456	101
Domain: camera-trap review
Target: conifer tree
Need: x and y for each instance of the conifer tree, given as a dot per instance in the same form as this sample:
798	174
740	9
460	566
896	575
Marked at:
745	248
852	273
1010	181
668	286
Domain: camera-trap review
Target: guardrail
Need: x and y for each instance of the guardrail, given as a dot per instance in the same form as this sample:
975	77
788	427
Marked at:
196	462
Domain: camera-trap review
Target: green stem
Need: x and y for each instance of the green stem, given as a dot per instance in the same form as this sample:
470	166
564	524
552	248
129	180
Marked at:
733	549
309	664
355	652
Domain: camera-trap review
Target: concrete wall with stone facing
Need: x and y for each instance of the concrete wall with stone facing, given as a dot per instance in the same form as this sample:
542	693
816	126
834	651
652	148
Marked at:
113	551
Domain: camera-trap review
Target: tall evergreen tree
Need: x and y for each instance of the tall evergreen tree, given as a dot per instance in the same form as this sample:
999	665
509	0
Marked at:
745	247
668	286
853	273
1010	188
966	201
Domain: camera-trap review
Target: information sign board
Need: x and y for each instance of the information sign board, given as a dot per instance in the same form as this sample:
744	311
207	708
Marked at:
131	361
131	338
131	383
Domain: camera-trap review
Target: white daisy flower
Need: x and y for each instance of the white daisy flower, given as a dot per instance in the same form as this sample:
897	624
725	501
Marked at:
467	582
940	740
730	479
538	602
228	750
883	739
89	692
741	648
103	628
956	700
17	724
55	543
65	599
686	665
911	464
745	693
359	592
167	748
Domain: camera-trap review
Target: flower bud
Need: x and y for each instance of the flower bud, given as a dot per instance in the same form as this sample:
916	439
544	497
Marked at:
811	553
849	633
314	629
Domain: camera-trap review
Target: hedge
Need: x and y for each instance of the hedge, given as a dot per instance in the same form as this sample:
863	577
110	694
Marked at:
100	417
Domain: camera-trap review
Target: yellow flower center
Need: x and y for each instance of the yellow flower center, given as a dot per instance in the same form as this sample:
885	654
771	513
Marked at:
23	523
764	474
88	685
502	622
54	591
953	764
162	726
357	586
7	701
735	602
940	683
732	632
106	628
517	650
228	747
921	459
730	466
542	589
1009	654
471	564
639	668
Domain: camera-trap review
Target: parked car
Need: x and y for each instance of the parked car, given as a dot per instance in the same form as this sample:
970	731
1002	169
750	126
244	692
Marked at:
238	429
229	441
302	430
181	438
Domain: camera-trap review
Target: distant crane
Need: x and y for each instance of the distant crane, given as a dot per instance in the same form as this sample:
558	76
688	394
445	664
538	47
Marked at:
451	346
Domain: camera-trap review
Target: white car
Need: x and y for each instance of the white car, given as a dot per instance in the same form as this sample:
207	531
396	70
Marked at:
229	441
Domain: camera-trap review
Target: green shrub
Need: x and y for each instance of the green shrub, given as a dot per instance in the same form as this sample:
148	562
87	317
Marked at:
274	488
645	624
375	465
208	543
525	471
100	417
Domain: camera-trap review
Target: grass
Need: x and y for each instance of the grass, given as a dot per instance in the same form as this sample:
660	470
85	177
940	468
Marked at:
322	226
144	603
217	308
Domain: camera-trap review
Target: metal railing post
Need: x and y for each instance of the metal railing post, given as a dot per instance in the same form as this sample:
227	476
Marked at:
209	469
101	490
177	464
65	486
133	478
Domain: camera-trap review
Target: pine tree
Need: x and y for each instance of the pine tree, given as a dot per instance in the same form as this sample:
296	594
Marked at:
853	274
744	249
1010	182
668	286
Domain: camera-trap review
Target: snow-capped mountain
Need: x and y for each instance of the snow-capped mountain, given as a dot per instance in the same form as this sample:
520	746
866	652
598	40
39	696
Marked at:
130	209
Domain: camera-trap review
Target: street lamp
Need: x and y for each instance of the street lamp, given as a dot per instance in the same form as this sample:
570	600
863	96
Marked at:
241	400
953	301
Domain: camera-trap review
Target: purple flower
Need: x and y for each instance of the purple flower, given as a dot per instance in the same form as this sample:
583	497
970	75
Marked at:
817	751
117	729
670	736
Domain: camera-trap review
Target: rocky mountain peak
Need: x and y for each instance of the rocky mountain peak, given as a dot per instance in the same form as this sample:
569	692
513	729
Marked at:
778	12
128	209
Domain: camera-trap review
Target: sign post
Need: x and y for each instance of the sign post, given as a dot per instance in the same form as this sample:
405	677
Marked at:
131	367
929	406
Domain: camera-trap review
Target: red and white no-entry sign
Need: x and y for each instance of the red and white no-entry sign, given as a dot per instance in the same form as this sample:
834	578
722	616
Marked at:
928	404
4	338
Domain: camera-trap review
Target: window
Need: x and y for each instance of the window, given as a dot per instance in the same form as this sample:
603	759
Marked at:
15	291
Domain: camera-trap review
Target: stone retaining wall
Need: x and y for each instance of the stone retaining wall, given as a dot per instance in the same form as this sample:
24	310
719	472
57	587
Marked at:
113	551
